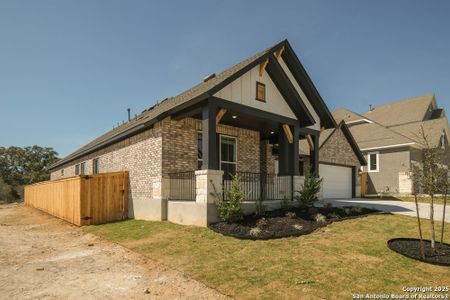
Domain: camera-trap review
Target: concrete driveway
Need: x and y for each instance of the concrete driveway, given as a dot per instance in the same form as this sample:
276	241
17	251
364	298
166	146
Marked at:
395	207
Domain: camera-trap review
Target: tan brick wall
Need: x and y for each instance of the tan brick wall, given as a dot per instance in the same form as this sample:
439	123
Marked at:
170	146
140	155
180	146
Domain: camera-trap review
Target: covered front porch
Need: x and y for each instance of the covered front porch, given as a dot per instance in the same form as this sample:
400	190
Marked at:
265	157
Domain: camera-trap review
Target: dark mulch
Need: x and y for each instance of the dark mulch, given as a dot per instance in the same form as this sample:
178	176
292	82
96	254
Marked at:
279	223
411	248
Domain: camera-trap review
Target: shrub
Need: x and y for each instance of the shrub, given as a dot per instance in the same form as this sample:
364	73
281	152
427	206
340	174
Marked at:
286	203
333	215
357	209
320	218
311	187
262	222
230	211
255	231
260	208
291	215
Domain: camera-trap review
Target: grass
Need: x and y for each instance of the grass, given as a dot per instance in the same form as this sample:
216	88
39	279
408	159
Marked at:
344	258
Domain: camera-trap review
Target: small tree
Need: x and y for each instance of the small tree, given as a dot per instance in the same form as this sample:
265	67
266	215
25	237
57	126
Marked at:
431	176
310	188
416	179
230	211
444	186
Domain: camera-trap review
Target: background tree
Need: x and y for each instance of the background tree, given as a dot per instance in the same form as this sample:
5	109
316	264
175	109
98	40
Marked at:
22	166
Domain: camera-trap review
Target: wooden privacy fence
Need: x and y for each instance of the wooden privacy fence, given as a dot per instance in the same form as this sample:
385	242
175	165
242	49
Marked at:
82	200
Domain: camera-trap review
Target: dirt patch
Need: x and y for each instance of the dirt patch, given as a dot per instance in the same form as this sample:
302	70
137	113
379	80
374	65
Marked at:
411	248
279	224
44	257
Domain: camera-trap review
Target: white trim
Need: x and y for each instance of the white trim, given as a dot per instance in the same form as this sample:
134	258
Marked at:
377	159
359	121
235	151
389	146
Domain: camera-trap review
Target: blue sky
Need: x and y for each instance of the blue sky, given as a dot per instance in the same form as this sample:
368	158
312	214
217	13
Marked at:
69	69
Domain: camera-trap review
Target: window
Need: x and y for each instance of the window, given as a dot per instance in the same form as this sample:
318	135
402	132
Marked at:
82	168
228	154
260	91
442	140
77	169
95	166
374	161
62	172
199	151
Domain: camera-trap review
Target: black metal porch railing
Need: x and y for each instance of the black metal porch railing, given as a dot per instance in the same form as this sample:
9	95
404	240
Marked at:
264	186
182	186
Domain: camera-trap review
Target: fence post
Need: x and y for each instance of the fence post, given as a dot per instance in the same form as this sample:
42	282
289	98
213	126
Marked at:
206	183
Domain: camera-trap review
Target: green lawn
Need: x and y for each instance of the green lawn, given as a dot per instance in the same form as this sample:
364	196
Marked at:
344	258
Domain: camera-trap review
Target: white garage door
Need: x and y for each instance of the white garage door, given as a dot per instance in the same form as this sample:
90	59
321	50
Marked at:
337	181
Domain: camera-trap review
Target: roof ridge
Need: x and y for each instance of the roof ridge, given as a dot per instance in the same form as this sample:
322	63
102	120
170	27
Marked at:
425	96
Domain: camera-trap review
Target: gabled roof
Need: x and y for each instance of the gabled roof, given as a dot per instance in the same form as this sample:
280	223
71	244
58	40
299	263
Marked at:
207	89
403	111
432	128
371	135
326	134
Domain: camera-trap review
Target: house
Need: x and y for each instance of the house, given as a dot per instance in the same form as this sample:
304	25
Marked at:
339	162
246	120
389	137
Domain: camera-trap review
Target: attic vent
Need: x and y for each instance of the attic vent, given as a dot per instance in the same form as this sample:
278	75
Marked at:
208	77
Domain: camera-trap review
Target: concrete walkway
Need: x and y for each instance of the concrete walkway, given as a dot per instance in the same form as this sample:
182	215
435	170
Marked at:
396	207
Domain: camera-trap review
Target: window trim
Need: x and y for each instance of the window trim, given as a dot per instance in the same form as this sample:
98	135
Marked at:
77	169
265	94
83	168
235	151
95	166
377	155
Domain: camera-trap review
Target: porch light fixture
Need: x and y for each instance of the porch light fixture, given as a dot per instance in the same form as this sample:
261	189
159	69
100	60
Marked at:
234	116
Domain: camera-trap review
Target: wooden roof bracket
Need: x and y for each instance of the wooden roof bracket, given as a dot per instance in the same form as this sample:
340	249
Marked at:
279	52
288	133
262	67
310	142
220	115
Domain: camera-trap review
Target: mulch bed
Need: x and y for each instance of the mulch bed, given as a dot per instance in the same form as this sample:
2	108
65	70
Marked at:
295	222
411	248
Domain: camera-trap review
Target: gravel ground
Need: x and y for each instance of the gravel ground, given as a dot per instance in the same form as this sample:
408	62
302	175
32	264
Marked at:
42	257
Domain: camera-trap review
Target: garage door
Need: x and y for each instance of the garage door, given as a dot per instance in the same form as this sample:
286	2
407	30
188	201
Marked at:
337	181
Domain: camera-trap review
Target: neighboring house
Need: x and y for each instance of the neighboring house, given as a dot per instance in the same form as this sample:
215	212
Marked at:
247	120
389	137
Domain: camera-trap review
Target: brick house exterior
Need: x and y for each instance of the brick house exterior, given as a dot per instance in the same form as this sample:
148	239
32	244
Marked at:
228	122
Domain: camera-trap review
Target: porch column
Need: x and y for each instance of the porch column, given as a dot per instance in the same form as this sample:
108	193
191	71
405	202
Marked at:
209	137
283	152
314	155
294	151
288	152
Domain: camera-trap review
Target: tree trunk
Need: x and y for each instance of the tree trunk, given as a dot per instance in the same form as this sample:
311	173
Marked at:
422	251
433	236
443	218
